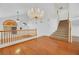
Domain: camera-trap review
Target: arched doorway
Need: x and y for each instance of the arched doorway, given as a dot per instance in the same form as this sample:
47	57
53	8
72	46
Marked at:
10	25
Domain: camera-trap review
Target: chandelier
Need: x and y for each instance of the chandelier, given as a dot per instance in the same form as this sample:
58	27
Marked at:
36	14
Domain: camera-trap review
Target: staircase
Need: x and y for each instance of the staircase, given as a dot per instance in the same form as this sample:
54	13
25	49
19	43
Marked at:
62	31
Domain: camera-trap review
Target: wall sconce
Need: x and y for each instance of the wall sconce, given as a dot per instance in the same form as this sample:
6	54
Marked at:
24	23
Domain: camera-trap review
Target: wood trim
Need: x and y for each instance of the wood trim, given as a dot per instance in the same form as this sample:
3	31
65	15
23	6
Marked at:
18	30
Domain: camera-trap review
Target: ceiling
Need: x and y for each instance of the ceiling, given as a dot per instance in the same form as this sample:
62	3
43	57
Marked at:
10	9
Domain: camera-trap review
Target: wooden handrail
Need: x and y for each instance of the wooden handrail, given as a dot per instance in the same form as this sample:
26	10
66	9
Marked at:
17	30
8	36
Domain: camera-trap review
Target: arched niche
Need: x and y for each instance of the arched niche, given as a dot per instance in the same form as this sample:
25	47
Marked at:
10	25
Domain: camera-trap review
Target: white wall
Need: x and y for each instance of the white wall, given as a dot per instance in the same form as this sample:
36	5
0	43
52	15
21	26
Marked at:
75	26
49	25
74	15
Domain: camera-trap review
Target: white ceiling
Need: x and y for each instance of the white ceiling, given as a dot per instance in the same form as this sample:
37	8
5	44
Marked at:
9	9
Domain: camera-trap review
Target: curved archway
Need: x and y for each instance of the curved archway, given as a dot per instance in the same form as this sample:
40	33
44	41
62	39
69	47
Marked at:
10	25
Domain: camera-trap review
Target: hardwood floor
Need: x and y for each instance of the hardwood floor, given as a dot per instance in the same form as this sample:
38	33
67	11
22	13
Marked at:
42	46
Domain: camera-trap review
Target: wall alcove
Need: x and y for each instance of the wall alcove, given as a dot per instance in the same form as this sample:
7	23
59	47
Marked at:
10	25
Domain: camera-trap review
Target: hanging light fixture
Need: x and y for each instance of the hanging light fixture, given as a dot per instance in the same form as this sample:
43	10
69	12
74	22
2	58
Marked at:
18	16
36	14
